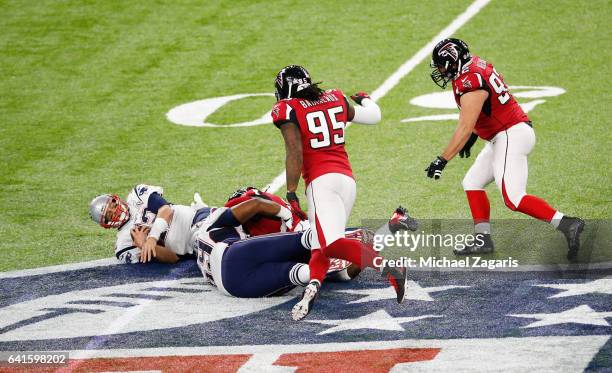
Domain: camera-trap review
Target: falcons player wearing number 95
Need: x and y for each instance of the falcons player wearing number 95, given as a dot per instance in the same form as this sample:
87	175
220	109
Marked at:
312	122
489	111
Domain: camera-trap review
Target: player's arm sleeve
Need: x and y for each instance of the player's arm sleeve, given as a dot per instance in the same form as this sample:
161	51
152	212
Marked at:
141	192
367	113
471	82
283	113
128	255
224	218
155	202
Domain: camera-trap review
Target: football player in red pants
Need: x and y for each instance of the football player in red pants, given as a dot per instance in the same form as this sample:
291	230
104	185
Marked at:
489	111
312	122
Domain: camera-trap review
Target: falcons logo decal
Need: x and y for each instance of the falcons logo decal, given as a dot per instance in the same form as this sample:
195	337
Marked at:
279	78
276	110
450	50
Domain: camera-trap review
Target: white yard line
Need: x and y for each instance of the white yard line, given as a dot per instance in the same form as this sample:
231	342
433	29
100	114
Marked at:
407	67
59	268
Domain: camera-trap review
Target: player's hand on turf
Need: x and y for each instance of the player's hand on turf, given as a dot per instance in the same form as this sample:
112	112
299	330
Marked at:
360	96
148	250
435	168
139	235
294	202
465	152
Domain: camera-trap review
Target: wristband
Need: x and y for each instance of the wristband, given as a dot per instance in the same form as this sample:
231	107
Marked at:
284	213
158	227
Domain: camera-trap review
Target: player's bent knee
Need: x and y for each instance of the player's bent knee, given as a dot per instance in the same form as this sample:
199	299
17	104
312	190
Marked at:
509	204
470	184
513	202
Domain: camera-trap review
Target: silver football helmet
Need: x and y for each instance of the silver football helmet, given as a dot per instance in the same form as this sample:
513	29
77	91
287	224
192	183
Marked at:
109	211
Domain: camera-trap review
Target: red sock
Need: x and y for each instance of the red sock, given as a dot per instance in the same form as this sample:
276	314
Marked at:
353	251
479	205
536	207
319	264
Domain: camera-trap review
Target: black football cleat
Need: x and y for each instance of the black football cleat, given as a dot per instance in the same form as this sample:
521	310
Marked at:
398	277
483	244
571	228
304	306
400	220
363	235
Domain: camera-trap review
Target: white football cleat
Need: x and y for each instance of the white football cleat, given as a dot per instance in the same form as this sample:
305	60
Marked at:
304	306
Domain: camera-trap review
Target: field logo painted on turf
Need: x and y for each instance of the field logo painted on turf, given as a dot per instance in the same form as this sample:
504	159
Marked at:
137	307
445	100
195	113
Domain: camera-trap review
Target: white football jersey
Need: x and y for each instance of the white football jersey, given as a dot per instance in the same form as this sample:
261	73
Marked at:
208	249
179	230
137	201
125	250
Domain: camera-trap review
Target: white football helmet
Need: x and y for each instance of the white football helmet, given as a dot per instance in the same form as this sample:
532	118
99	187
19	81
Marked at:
109	211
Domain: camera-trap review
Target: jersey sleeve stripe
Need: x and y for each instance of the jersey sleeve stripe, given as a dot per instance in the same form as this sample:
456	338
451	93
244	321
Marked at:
479	79
118	253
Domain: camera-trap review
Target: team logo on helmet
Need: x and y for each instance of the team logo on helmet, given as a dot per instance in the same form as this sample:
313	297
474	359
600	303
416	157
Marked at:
279	79
449	50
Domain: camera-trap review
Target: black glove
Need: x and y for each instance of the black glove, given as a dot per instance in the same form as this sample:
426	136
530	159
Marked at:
359	96
435	168
294	202
465	152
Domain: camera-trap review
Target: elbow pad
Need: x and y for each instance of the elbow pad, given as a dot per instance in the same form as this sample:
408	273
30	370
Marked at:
367	113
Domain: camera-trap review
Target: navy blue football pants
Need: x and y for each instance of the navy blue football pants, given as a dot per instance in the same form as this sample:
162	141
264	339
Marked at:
259	266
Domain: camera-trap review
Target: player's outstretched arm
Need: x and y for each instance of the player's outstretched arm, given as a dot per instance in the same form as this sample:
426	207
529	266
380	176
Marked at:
246	210
366	111
293	156
471	106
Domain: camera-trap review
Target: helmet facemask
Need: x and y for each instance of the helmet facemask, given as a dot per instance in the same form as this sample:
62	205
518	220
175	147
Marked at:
109	211
448	59
443	77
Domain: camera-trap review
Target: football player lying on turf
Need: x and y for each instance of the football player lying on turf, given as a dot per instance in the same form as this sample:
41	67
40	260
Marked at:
258	266
149	227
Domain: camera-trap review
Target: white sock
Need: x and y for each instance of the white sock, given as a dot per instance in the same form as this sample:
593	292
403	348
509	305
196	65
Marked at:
300	274
556	219
484	228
